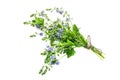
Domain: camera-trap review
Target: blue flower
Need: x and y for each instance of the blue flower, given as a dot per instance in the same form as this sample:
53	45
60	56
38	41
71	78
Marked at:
60	30
52	57
57	63
41	34
37	26
58	35
50	49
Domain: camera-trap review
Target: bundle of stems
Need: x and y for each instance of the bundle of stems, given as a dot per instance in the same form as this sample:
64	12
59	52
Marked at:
62	35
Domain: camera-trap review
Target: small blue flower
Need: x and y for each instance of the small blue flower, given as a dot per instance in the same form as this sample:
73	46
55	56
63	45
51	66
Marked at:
41	34
58	35
50	49
57	63
60	30
37	26
52	57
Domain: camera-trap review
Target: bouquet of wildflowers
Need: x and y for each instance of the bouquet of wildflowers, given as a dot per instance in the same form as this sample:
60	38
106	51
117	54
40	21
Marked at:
63	36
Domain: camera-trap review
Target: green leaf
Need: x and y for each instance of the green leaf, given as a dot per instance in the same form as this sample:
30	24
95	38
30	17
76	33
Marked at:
33	21
70	43
82	40
51	41
48	9
54	61
32	15
70	52
71	35
67	44
41	70
59	26
44	38
26	22
77	44
32	35
44	72
44	53
47	59
39	21
75	29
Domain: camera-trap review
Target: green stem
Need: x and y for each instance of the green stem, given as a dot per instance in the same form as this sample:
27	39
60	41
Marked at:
97	51
61	57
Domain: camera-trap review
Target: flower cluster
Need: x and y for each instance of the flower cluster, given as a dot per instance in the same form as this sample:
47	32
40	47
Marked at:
62	35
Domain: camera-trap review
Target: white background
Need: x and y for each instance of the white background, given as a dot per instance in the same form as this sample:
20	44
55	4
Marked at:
20	56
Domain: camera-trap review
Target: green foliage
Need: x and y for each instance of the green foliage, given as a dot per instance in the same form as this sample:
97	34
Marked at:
67	44
61	34
32	15
32	35
69	52
26	23
44	69
48	59
75	29
39	21
77	44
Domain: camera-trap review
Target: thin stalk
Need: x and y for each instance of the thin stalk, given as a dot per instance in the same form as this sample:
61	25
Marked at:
98	52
